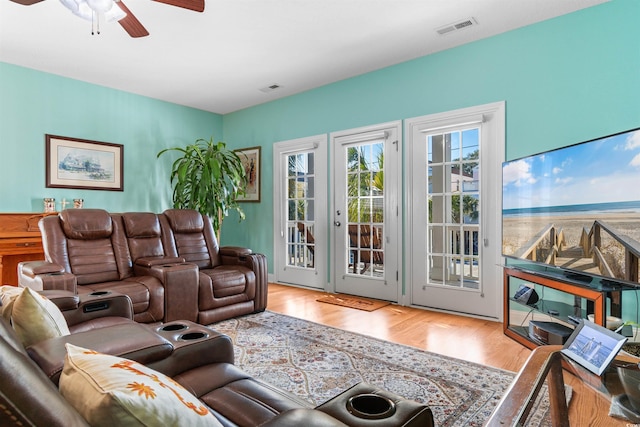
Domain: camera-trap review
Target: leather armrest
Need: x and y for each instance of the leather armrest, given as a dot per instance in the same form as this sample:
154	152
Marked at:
92	306
43	275
65	300
234	251
181	283
303	417
189	354
151	261
33	268
131	340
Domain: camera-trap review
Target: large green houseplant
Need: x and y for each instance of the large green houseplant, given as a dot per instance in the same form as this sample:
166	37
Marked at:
208	177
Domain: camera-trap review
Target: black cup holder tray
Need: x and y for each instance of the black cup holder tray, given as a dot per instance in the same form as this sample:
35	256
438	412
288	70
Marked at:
183	331
370	406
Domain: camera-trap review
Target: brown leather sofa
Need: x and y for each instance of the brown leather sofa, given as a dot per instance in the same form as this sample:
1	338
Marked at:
169	264
203	365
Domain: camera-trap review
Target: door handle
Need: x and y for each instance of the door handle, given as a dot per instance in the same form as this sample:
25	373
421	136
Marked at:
337	223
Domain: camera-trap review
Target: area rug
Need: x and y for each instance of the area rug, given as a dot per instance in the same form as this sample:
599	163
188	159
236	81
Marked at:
317	362
353	302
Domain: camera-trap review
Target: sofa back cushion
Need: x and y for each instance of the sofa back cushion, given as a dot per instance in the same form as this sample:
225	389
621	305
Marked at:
143	234
94	248
193	237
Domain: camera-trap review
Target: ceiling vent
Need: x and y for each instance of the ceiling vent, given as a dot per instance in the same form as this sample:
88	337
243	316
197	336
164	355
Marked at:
460	25
270	88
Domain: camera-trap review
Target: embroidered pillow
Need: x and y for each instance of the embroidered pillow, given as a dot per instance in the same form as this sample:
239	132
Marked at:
35	318
111	391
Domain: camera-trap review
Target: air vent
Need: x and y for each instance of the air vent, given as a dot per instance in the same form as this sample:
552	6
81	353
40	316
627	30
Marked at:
460	25
270	88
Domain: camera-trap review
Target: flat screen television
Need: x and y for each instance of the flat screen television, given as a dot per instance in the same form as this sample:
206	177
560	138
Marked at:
576	208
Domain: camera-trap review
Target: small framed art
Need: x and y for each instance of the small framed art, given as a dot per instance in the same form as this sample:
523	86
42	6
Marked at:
251	160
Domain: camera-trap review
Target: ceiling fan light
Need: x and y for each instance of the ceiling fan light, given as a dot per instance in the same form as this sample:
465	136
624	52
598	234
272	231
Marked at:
84	11
114	14
100	5
72	5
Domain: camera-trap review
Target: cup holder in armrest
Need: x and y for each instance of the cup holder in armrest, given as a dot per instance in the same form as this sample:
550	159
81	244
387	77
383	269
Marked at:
99	293
174	327
192	336
370	406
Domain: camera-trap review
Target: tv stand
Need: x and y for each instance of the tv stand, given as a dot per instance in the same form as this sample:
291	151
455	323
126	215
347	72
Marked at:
562	299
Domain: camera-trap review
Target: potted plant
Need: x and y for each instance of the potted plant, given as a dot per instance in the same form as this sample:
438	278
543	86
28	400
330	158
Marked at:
208	177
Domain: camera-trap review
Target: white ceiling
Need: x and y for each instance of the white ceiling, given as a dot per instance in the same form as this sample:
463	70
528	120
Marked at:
218	60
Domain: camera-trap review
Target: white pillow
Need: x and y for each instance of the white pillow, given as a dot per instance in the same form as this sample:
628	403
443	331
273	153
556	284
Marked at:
112	391
8	295
35	318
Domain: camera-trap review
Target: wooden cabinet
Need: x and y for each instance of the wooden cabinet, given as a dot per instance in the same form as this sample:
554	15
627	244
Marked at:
19	241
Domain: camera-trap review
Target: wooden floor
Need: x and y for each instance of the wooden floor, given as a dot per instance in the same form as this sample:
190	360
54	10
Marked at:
475	340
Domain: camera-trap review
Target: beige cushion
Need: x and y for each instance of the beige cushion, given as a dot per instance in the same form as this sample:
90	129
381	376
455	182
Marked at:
8	295
34	317
112	391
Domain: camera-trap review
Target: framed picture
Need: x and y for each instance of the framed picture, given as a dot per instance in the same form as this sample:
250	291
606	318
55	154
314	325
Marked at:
251	160
80	163
593	346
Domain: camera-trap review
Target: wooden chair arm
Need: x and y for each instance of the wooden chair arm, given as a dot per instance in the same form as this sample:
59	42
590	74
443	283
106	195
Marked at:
517	402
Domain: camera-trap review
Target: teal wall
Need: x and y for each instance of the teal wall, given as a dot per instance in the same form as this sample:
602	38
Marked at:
565	80
33	104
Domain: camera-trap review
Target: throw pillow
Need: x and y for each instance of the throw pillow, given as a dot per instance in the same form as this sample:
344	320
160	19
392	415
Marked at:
111	391
8	295
35	318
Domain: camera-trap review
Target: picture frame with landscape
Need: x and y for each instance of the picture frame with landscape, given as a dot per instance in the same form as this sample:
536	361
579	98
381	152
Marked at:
83	164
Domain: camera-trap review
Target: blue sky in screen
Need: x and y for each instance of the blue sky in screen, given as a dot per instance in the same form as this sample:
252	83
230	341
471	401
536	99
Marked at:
606	170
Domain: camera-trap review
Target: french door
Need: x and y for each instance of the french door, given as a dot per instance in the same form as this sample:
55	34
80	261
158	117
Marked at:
366	211
300	211
453	179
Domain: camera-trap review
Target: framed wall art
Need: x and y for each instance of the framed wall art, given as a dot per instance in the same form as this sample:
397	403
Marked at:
251	160
84	164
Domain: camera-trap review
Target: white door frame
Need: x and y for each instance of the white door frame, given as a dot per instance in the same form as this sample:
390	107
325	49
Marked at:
318	144
393	168
493	148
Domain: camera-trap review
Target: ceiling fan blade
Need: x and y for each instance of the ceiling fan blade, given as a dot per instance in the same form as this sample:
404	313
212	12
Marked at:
26	2
196	5
130	23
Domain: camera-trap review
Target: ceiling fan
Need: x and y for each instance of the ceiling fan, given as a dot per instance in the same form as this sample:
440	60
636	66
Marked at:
129	22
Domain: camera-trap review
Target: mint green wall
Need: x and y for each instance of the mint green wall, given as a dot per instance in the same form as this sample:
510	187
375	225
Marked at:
33	104
565	80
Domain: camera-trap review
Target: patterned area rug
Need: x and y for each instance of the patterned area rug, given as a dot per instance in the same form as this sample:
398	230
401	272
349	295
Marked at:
317	362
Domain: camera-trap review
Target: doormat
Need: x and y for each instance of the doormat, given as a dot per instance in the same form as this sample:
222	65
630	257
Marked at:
353	302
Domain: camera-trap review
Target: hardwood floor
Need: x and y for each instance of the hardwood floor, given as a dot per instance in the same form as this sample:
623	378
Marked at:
475	340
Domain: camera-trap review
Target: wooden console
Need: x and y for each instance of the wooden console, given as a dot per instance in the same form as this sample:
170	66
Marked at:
20	240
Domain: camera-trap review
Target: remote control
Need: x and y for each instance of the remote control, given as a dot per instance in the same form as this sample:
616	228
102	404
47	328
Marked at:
574	319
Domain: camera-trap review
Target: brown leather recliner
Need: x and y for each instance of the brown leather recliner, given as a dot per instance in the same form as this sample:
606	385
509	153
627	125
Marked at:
29	397
233	280
86	252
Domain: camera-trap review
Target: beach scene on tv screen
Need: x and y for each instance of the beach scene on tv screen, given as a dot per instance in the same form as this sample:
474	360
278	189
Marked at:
577	207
